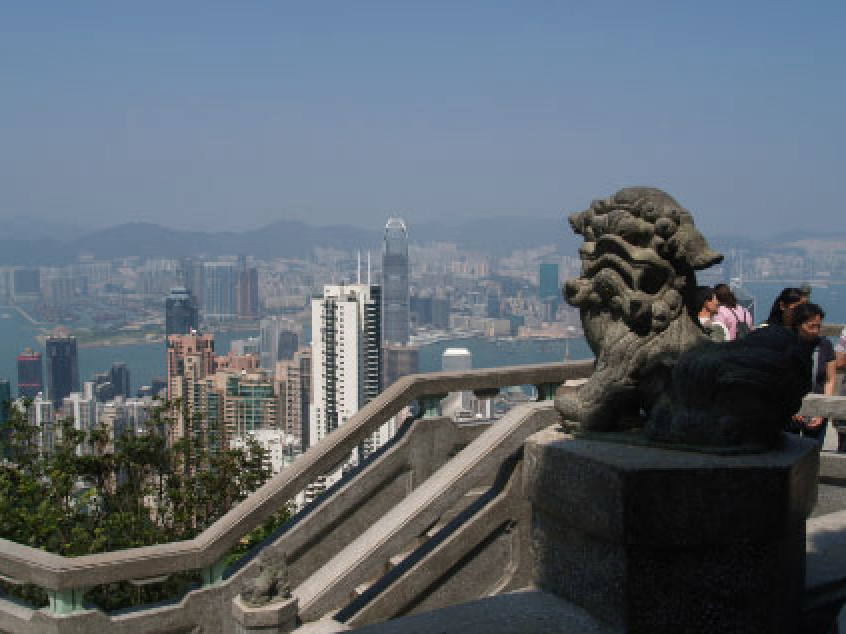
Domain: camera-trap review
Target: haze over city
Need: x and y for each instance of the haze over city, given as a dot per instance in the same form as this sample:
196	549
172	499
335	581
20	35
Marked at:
225	116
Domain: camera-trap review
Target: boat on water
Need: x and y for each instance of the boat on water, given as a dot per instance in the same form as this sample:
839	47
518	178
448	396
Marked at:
5	316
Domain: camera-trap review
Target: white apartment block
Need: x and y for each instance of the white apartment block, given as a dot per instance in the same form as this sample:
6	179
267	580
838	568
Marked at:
346	355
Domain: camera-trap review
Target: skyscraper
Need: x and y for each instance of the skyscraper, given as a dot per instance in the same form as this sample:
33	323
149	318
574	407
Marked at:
346	354
395	309
220	291
181	315
549	287
294	380
193	278
549	290
247	293
62	368
279	341
190	360
195	350
119	378
30	374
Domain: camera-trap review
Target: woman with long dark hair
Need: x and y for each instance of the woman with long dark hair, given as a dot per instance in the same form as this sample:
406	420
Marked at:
781	314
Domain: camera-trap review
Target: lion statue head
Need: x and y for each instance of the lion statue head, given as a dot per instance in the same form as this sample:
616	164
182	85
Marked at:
635	295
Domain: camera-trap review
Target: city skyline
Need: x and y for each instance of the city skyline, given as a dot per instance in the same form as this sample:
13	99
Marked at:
220	116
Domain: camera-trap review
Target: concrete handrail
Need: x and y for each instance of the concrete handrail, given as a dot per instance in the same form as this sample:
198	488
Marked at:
57	573
831	330
327	588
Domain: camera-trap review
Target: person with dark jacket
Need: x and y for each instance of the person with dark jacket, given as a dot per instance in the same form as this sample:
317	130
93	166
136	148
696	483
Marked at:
807	322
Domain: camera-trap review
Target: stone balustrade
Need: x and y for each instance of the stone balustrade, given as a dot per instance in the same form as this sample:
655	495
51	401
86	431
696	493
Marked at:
65	578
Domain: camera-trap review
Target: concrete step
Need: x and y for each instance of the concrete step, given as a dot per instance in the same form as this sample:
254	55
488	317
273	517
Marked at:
469	498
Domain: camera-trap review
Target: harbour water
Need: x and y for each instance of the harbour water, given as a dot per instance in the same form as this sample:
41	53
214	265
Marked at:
147	360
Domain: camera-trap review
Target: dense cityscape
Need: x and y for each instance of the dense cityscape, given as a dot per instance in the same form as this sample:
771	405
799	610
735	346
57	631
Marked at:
277	383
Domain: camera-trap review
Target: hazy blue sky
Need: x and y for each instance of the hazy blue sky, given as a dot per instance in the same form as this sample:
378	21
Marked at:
237	114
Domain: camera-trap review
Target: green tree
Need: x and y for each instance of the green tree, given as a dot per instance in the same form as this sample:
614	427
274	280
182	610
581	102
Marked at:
77	495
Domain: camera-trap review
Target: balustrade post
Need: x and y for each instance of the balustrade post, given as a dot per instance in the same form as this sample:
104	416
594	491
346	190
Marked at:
214	573
546	391
431	405
66	600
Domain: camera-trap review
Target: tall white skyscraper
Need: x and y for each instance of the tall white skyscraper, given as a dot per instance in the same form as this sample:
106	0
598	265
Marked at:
346	355
395	294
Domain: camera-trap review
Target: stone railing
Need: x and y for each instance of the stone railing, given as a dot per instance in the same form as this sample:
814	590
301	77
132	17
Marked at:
65	579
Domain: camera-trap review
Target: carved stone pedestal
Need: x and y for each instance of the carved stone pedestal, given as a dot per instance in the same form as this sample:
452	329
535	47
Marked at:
278	617
654	540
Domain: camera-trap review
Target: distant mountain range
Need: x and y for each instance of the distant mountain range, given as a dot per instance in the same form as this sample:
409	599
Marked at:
282	239
37	242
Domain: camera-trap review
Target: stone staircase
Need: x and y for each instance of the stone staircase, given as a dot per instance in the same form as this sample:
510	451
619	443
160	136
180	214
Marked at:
438	522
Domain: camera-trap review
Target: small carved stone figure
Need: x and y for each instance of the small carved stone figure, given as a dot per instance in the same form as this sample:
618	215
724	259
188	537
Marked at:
636	297
270	584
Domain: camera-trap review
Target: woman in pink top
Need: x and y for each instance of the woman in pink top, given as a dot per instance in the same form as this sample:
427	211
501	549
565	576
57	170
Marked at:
730	313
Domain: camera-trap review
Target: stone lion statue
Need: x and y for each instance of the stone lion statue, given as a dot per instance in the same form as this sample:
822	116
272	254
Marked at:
655	366
635	295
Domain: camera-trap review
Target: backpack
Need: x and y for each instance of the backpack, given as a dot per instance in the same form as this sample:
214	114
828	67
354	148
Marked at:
741	328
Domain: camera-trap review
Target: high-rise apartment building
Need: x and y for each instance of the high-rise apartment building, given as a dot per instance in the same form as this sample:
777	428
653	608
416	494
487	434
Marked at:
293	379
30	374
119	378
82	408
123	417
249	402
43	416
279	341
395	294
346	354
181	314
193	351
247	293
62	368
220	291
193	279
548	281
190	360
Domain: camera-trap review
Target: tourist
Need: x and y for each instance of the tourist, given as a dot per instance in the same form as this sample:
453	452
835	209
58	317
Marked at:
735	318
840	354
781	313
807	322
708	305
